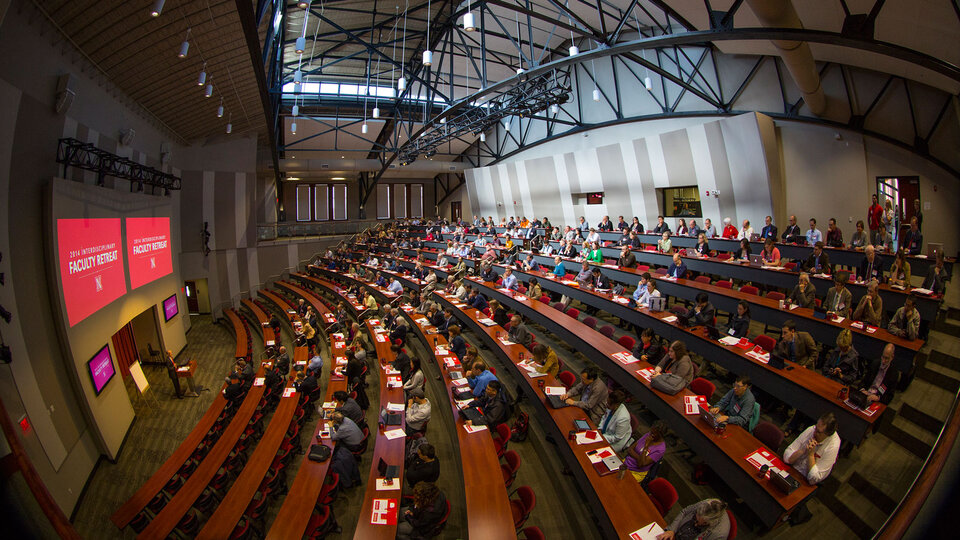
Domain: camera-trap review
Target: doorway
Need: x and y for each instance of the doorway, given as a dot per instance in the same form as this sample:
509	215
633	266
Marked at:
198	297
901	191
456	210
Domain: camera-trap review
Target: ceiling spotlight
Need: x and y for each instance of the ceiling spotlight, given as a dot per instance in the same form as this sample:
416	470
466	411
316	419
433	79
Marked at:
443	120
401	84
554	109
203	75
469	25
157	8
297	77
647	83
596	94
185	46
506	125
427	57
220	109
209	91
376	112
230	123
301	44
519	70
296	110
574	50
363	128
293	128
303	5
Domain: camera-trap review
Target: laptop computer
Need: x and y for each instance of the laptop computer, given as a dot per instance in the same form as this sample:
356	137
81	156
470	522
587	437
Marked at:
784	482
471	413
754	237
658	303
708	417
390	418
819	312
713	333
556	402
777	362
933	248
756	260
463	393
387	471
683	320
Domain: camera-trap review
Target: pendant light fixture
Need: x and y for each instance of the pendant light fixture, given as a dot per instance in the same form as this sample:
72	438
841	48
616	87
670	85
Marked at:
220	109
209	91
157	8
303	5
203	75
295	111
230	123
483	137
554	109
402	81
293	127
427	53
185	46
516	18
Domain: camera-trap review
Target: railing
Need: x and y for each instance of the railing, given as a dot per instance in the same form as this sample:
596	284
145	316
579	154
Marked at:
292	229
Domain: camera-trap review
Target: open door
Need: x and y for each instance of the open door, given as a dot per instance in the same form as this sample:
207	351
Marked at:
456	209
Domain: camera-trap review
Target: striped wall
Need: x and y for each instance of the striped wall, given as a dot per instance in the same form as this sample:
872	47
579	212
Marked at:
727	155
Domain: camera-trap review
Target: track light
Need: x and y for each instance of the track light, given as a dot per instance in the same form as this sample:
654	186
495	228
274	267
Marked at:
303	5
297	78
554	109
209	90
157	8
203	75
519	70
574	50
363	128
647	83
295	111
376	112
401	84
293	128
506	125
483	137
469	25
185	46
220	109
596	94
301	44
427	57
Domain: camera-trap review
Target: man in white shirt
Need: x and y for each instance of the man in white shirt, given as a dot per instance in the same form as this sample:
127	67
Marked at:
509	280
814	452
709	229
395	286
570	234
813	234
480	241
746	231
594	236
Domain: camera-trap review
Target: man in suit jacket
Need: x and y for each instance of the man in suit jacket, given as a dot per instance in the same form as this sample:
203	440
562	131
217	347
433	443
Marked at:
881	379
871	266
791	234
769	229
804	294
797	346
627	258
839	299
678	268
599	280
817	262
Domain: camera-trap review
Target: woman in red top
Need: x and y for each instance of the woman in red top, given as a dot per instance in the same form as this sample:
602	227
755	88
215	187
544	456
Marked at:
729	231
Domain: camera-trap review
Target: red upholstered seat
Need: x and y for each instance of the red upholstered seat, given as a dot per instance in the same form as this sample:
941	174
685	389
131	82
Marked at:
766	342
663	495
703	387
724	284
626	342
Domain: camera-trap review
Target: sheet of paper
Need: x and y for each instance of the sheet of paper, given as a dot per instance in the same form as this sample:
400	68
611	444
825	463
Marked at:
258	381
670	319
474	429
388	485
289	391
460	382
329	405
535	374
729	340
649	532
384	512
600	454
394	434
589	437
554	390
395	407
646	373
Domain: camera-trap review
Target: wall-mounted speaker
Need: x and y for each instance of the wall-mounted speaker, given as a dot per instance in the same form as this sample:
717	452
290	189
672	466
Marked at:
126	136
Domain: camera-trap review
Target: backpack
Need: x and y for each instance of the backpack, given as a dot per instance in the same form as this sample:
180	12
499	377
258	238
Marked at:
518	432
318	452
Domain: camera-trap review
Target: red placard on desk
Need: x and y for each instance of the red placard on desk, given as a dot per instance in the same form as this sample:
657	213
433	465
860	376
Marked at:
762	456
384	512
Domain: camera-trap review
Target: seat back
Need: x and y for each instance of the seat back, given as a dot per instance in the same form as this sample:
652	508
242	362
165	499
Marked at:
528	498
703	387
573	312
533	533
568	379
663	494
662	271
776	295
545	298
755	417
626	342
769	434
766	342
703	279
558	306
733	525
607	331
590	321
749	289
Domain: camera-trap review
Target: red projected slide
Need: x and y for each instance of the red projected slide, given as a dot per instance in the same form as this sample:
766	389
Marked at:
91	265
148	249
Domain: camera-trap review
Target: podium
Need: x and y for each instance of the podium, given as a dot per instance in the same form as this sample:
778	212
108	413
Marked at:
186	372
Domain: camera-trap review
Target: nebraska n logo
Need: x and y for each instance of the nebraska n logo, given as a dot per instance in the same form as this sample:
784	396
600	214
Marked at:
98	280
153	262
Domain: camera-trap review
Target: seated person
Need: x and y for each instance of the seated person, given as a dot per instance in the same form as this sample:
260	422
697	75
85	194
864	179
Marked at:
650	292
420	519
913	239
594	255
937	276
665	245
703	247
880	380
730	230
234	390
627	258
743	254
615	423
871	266
559	270
703	313
839	299
349	407
533	288
585	274
518	332
706	519
424	466
649	349
900	270
905	322
736	406
530	264
678	269
592	393
770	253
814	452
796	346
479	377
676	361
418	412
509	280
740	321
493	404
547	358
306	383
843	363
457	344
599	281
804	294
641	288
859	240
870	307
648	450
487	273
345	431
834	234
817	262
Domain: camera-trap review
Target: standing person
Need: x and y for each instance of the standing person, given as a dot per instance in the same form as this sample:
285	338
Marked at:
874	218
172	373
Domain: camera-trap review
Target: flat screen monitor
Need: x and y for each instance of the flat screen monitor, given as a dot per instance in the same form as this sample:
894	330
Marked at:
148	249
101	369
91	265
170	308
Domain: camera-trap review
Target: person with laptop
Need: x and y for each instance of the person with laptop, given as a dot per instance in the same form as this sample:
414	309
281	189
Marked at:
871	266
420	520
770	254
746	231
592	393
839	299
740	321
843	364
647	451
817	262
804	294
705	520
736	406
345	431
769	230
703	246
678	269
650	292
905	322
479	377
418	412
796	346
814	452
492	404
348	406
703	313
937	276
744	252
615	423
870	307
791	235
913	240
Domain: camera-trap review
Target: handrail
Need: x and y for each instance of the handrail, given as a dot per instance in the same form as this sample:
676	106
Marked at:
293	229
909	506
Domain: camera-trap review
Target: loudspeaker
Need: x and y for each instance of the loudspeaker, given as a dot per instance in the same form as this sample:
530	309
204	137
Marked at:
126	136
66	91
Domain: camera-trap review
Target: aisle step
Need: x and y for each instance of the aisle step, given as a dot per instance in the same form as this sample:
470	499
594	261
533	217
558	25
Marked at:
879	499
944	360
938	379
920	418
827	494
913	445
